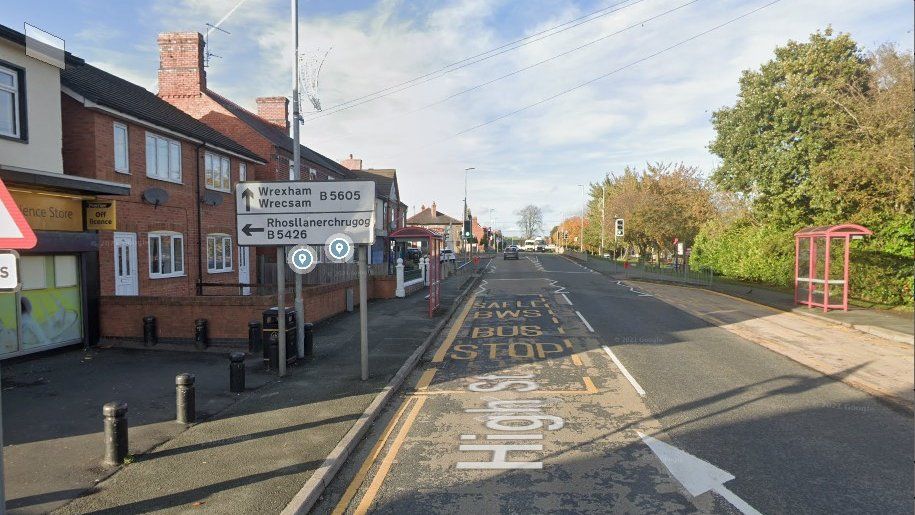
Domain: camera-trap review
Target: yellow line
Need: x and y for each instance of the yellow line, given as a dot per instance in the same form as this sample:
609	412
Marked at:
576	360
555	320
561	330
426	379
568	343
388	460
589	384
353	487
452	333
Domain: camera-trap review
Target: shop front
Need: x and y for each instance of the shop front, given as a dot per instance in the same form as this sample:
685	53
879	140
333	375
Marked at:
57	304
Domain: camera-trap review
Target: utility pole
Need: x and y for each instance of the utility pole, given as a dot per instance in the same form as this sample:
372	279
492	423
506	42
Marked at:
295	175
603	214
581	221
466	237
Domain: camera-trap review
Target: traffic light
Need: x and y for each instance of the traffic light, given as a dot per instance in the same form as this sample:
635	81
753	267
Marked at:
620	228
468	232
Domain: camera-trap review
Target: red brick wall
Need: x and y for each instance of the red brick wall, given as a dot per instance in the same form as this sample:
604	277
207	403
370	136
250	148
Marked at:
181	63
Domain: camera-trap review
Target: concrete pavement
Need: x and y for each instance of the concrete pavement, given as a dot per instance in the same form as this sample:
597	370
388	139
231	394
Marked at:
758	430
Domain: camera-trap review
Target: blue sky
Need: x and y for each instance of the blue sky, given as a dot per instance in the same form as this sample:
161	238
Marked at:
657	110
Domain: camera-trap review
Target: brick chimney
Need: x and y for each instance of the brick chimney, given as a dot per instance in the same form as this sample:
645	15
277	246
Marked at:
354	164
181	72
275	110
434	210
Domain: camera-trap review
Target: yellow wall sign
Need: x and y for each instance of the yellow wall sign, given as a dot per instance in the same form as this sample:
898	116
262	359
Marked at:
101	215
50	212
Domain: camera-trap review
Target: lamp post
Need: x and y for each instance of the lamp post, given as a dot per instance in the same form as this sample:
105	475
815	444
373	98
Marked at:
603	214
581	221
466	213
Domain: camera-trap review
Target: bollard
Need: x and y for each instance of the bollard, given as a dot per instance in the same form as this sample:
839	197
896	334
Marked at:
185	399
200	333
237	372
149	331
254	337
308	330
115	415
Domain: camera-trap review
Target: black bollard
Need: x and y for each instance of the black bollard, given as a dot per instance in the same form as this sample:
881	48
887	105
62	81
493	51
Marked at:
185	399
237	372
149	331
254	337
200	333
115	414
308	330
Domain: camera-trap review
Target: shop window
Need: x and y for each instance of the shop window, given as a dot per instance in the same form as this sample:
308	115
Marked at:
219	253
217	168
34	272
49	305
163	158
121	162
66	271
166	255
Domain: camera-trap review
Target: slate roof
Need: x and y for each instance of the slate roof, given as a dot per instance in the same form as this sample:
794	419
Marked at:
384	179
426	217
126	97
277	135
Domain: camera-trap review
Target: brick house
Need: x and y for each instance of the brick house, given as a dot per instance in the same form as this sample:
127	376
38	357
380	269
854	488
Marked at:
174	234
431	218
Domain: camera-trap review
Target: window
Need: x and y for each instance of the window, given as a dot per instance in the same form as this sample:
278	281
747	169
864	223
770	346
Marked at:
120	148
219	253
166	254
312	174
66	271
163	158
33	270
10	102
217	172
242	172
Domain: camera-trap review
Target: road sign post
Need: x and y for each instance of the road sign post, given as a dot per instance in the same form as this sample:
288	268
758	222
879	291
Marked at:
338	214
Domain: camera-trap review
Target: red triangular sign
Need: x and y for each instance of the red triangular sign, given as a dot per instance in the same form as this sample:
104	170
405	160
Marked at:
15	232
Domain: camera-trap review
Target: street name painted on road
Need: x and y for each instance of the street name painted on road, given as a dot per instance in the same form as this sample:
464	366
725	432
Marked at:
309	212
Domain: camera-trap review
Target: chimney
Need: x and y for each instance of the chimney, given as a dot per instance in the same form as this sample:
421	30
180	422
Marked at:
434	210
181	72
422	207
354	164
275	110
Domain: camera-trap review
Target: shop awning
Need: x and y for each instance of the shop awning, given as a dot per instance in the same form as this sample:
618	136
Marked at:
26	176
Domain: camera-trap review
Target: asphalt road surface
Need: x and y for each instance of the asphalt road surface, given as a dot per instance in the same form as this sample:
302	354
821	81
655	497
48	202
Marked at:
559	390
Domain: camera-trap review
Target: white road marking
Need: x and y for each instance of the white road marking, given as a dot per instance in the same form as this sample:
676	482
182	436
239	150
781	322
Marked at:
696	475
632	381
567	298
582	317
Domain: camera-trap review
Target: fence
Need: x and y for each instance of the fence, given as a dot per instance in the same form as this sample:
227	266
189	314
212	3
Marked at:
701	276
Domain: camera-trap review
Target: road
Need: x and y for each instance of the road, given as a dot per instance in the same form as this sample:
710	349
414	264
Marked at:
557	389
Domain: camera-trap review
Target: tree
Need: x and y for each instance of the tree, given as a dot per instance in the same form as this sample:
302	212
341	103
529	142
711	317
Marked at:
530	221
779	128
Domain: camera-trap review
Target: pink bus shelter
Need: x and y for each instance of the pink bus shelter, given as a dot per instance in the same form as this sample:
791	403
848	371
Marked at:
821	264
433	242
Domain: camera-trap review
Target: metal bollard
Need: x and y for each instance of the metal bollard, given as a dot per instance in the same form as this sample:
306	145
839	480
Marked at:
115	415
149	331
237	372
200	333
254	337
185	399
309	338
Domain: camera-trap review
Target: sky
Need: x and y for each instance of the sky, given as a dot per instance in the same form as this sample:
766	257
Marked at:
653	103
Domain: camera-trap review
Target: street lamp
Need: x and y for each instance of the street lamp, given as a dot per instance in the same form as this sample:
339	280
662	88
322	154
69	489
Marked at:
603	213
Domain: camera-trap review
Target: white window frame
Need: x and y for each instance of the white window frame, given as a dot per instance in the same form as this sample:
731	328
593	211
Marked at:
158	236
242	171
172	147
226	264
312	174
224	171
14	89
126	167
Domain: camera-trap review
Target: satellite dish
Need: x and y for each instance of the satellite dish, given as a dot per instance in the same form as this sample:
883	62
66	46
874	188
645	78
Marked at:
155	196
211	198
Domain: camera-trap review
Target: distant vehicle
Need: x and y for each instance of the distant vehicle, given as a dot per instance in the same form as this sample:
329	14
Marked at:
414	254
446	255
535	245
529	246
511	252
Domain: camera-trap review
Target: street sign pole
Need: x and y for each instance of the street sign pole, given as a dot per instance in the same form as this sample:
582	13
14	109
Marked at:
297	173
363	311
281	310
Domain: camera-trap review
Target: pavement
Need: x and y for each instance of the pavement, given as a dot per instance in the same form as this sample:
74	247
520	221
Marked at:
251	452
557	389
894	325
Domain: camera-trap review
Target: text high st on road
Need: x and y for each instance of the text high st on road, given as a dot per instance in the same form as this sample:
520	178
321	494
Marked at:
293	212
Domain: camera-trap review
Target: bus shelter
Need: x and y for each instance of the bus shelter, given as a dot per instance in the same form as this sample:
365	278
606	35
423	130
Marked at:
432	243
821	264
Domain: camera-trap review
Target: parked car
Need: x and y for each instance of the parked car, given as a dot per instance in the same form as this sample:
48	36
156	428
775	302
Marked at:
413	254
510	252
446	255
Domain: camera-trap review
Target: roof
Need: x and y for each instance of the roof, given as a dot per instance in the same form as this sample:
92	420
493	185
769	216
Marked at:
15	174
833	230
426	217
414	232
384	180
126	97
277	136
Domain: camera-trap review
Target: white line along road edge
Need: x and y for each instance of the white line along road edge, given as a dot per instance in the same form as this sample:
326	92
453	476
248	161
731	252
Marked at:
635	384
567	298
582	317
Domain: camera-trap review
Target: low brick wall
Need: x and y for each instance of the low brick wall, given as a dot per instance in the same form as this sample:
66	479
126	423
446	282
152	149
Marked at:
121	318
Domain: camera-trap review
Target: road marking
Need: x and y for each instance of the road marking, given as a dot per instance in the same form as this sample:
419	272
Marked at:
567	298
568	343
576	360
452	333
385	467
354	485
582	317
635	384
589	385
426	379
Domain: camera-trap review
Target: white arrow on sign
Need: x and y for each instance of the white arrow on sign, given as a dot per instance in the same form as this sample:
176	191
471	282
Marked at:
696	476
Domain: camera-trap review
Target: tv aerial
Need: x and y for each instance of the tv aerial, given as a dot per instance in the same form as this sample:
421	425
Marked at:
206	43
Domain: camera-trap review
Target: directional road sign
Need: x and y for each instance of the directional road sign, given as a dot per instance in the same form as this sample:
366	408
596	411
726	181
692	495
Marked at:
309	212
